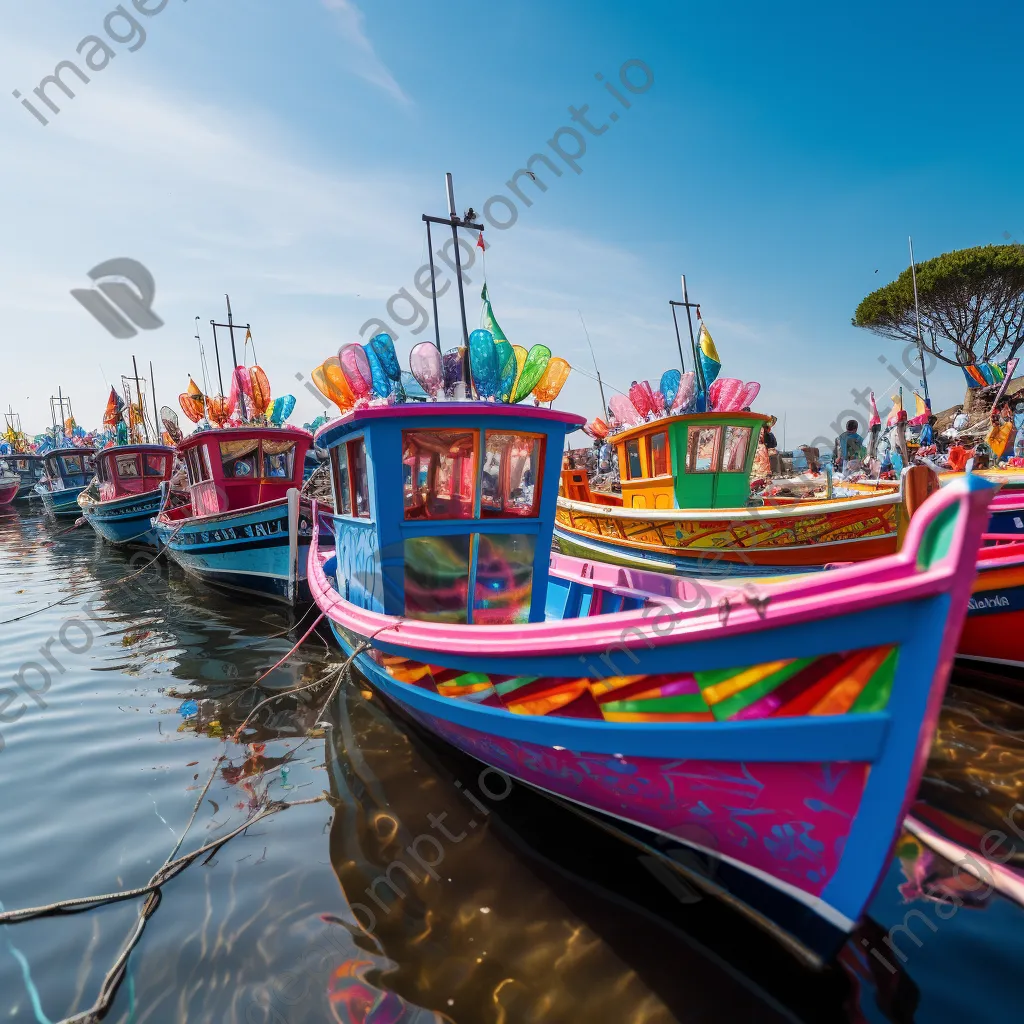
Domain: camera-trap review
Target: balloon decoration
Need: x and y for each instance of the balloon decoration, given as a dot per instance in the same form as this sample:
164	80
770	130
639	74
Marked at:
169	419
332	384
483	364
356	368
555	375
642	397
687	393
508	368
281	408
599	427
219	409
454	367
669	386
521	356
425	363
537	360
192	402
727	394
750	392
380	381
259	390
384	349
624	410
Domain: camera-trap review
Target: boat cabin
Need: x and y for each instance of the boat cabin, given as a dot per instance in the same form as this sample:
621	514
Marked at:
237	467
699	460
68	467
133	469
28	466
444	511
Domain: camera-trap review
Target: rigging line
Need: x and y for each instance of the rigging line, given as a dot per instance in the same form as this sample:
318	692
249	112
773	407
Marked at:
603	381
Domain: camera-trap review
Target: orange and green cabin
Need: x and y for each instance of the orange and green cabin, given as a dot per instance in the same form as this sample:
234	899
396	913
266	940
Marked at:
700	460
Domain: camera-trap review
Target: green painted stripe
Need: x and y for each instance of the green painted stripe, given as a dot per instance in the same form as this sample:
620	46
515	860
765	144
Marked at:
511	685
468	679
683	702
728	707
875	696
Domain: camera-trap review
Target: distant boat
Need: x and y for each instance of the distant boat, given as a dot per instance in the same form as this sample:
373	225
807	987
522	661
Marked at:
129	481
246	526
9	485
776	743
28	467
66	474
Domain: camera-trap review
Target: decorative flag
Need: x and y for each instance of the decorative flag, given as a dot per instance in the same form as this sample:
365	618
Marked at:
710	363
1011	368
480	244
876	420
921	412
894	412
489	323
114	411
981	375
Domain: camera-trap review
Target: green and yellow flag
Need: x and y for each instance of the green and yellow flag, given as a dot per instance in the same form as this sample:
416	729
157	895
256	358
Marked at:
488	321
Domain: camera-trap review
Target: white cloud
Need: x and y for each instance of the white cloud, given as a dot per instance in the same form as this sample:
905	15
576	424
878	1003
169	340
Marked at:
366	64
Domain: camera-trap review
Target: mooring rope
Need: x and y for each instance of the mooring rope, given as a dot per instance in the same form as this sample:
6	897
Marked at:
171	866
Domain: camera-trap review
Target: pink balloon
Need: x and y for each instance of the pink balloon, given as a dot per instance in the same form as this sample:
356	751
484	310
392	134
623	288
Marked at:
425	364
624	410
356	368
749	394
659	403
642	398
723	392
686	393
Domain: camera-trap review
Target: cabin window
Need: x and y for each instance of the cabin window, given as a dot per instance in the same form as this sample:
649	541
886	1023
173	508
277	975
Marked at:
155	465
21	466
205	466
278	460
702	445
503	588
439	473
510	484
633	470
736	441
239	459
71	464
658	454
101	471
127	466
437	578
342	491
360	488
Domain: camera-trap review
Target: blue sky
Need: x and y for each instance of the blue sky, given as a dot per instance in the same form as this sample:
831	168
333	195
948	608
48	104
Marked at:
283	152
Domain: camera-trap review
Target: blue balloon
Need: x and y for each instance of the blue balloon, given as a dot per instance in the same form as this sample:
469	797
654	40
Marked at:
507	368
381	381
483	364
384	349
281	408
669	387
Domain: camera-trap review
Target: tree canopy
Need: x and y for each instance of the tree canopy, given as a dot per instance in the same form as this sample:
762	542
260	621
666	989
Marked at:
972	305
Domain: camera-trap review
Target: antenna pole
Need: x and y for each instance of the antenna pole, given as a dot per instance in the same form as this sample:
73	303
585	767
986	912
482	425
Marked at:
600	384
920	337
679	340
138	392
156	411
693	342
458	261
433	287
216	352
234	360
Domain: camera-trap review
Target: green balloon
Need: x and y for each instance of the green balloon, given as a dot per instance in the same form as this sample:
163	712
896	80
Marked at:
506	369
533	369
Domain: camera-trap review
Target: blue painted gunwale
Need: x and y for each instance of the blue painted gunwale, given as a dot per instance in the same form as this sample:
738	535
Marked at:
126	520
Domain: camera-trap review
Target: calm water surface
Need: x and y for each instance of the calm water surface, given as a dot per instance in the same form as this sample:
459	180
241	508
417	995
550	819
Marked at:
516	910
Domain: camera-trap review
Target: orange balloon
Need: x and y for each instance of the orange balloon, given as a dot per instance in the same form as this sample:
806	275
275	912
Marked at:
556	373
260	390
191	406
218	408
331	381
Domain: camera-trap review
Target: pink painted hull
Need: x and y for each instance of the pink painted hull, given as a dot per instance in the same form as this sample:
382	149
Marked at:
8	489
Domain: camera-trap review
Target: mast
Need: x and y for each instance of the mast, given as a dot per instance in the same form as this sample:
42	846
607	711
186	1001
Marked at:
216	352
156	411
600	385
920	337
698	370
138	392
234	359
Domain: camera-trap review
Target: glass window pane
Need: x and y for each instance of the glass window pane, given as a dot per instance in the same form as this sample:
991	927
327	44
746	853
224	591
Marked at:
155	465
342	493
205	467
278	465
439	473
510	484
702	449
127	466
357	464
72	464
633	471
504	578
437	578
659	454
736	441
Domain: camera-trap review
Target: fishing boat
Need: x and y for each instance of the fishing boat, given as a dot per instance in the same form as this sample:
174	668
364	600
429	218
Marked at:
686	507
28	468
781	739
245	525
66	474
130	492
9	485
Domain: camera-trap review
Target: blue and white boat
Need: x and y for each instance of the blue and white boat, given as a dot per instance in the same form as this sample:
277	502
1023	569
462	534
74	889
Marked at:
66	474
246	526
130	479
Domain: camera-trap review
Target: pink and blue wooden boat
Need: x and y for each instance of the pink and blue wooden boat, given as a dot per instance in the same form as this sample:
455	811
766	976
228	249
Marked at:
66	473
246	526
777	741
130	479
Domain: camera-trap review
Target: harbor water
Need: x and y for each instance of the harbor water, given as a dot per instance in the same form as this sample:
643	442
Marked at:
388	880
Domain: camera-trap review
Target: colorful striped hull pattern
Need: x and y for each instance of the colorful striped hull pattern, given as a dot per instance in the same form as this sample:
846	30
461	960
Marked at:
833	684
695	536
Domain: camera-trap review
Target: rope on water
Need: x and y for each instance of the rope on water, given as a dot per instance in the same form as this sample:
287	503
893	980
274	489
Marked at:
100	584
170	868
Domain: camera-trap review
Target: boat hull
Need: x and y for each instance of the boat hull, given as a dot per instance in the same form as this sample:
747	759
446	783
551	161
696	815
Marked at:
995	613
731	542
63	503
249	551
127	520
8	491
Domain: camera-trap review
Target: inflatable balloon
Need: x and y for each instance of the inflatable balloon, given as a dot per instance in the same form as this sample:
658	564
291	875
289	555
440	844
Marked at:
508	369
425	363
384	349
537	360
356	368
521	356
331	382
380	381
454	371
483	364
218	409
642	397
624	410
281	408
669	386
259	390
723	394
192	402
750	392
687	393
599	427
659	403
555	375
